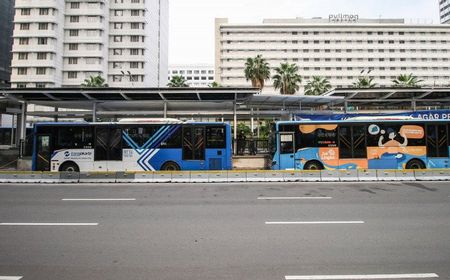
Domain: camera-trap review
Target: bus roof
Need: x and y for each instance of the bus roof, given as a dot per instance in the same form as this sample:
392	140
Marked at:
371	120
120	123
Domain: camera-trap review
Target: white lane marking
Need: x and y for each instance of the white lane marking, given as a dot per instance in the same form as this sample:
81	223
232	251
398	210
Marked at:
293	197
313	222
98	199
48	224
11	277
364	276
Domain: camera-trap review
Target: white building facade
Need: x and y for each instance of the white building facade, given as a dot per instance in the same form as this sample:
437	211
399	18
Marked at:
341	49
198	75
61	43
444	11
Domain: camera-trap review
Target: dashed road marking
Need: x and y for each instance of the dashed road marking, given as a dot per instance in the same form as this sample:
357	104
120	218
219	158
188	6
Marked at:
294	197
312	222
48	224
364	276
98	199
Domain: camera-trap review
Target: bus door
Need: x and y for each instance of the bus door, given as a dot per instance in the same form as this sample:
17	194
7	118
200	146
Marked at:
194	147
437	146
286	141
108	149
43	152
353	147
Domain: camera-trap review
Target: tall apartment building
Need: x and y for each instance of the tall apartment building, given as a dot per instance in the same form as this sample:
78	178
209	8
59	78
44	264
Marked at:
444	10
339	48
6	29
198	75
62	42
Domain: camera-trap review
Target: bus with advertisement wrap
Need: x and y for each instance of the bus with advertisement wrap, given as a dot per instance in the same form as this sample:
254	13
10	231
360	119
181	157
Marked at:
361	143
131	145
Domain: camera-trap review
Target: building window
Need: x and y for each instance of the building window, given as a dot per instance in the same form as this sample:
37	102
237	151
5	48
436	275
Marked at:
73	47
134	51
25	12
117	38
134	65
43	12
24	26
73	60
135	13
134	38
23	41
118	13
23	56
43	26
135	25
73	33
40	85
75	5
41	56
72	75
74	19
117	52
42	41
41	70
118	25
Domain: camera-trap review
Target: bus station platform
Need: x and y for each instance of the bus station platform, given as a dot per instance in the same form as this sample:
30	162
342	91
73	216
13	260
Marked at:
226	176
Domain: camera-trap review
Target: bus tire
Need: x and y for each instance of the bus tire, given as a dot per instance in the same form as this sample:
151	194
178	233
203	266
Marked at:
170	166
313	165
415	164
69	166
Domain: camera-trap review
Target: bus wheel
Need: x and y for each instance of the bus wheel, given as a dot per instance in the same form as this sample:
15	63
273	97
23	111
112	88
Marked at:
415	164
170	166
313	165
69	167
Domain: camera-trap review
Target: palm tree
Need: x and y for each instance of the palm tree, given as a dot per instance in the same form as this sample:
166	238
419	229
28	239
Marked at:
364	82
287	79
317	86
407	81
94	81
215	85
177	81
257	70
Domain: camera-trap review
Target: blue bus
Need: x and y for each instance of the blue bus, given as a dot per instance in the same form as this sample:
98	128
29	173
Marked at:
362	143
132	145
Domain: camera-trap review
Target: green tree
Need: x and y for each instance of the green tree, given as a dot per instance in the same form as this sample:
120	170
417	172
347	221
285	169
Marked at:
364	82
215	85
257	70
286	79
407	81
94	82
177	81
317	86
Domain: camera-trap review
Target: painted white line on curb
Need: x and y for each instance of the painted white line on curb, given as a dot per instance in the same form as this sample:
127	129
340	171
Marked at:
364	276
48	224
98	199
313	222
11	277
293	197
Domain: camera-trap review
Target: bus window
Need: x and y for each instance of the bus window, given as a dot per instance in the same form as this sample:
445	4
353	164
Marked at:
108	145
193	143
174	141
76	137
286	143
215	137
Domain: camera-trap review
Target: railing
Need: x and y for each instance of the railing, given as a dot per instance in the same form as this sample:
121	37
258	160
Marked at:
252	146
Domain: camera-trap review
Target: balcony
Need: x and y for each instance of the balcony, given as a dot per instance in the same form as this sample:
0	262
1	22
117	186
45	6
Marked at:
83	53
127	45
83	39
35	33
33	63
35	48
35	19
85	12
82	67
127	19
127	6
37	4
84	25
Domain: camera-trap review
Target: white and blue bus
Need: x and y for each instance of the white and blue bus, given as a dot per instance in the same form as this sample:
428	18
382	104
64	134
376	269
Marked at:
132	145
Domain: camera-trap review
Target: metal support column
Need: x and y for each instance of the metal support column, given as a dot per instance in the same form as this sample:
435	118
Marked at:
252	122
55	118
345	106
23	129
165	110
94	112
235	125
414	105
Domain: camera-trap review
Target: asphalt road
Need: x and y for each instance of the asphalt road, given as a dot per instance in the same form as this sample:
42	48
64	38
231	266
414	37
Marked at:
223	231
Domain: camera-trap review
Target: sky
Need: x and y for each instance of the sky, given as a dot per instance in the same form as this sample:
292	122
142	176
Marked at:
191	22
